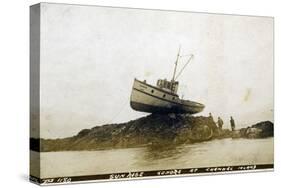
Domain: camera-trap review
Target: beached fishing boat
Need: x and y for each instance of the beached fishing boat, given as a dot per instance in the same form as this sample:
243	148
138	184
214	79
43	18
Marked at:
163	97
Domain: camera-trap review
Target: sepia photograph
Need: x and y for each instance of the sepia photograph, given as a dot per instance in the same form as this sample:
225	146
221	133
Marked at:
120	93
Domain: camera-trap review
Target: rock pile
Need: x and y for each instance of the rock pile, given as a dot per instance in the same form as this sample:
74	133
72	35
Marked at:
154	130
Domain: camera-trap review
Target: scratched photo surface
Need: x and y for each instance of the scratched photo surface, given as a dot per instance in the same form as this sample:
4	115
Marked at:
89	59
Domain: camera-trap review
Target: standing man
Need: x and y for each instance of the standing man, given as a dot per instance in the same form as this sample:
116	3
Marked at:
220	123
232	123
211	116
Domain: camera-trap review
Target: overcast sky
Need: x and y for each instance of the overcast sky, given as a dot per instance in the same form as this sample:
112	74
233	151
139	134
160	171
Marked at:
91	55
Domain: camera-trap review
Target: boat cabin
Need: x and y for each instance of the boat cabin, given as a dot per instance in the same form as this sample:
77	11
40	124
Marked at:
171	86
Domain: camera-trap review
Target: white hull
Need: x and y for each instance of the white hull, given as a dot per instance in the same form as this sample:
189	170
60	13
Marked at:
148	98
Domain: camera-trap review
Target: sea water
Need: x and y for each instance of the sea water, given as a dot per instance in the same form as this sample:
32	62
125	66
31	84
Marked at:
223	152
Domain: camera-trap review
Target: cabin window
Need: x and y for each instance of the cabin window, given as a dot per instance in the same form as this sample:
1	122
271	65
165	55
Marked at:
168	85
152	91
164	95
173	98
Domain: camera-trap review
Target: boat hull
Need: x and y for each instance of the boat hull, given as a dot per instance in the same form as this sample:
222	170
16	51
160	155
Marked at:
148	98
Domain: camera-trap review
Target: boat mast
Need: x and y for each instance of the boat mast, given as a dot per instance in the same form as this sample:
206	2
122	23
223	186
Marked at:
176	63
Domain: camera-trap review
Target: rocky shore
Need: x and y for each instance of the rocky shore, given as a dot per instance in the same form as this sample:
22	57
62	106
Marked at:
153	130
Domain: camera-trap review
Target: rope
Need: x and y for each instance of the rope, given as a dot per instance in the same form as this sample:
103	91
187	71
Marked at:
119	112
191	56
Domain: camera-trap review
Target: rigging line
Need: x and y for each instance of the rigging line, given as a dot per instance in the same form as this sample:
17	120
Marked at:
119	112
191	56
184	55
